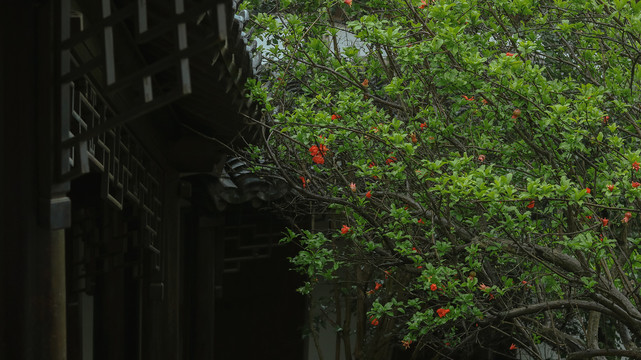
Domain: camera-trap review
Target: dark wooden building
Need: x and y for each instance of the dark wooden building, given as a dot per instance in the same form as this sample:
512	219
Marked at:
128	231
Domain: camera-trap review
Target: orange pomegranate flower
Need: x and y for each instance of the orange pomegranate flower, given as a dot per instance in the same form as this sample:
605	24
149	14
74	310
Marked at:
318	150
318	159
627	217
317	153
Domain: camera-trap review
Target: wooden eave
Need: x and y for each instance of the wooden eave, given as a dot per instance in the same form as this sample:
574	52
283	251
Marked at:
192	132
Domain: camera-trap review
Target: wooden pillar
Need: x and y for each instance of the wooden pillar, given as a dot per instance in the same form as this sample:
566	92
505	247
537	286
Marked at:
58	339
206	293
199	285
32	324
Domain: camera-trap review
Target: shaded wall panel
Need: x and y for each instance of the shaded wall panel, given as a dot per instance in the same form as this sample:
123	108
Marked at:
28	324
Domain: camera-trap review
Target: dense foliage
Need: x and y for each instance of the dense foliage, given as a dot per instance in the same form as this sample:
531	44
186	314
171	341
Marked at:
480	159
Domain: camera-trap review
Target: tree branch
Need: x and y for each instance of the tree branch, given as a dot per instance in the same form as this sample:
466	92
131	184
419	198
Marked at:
588	354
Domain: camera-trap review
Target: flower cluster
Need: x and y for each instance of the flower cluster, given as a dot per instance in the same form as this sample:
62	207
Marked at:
377	287
318	153
391	159
373	320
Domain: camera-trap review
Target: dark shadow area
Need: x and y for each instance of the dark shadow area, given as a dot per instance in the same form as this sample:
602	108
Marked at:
259	314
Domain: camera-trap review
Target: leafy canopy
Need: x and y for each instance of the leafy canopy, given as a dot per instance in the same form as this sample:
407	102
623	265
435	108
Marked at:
483	156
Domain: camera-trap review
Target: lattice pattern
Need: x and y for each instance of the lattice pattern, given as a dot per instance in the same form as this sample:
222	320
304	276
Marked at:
162	78
245	243
128	171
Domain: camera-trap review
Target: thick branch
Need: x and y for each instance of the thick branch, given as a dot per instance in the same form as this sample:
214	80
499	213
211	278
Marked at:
588	354
548	305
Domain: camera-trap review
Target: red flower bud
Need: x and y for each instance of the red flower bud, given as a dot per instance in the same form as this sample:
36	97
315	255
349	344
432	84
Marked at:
442	312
